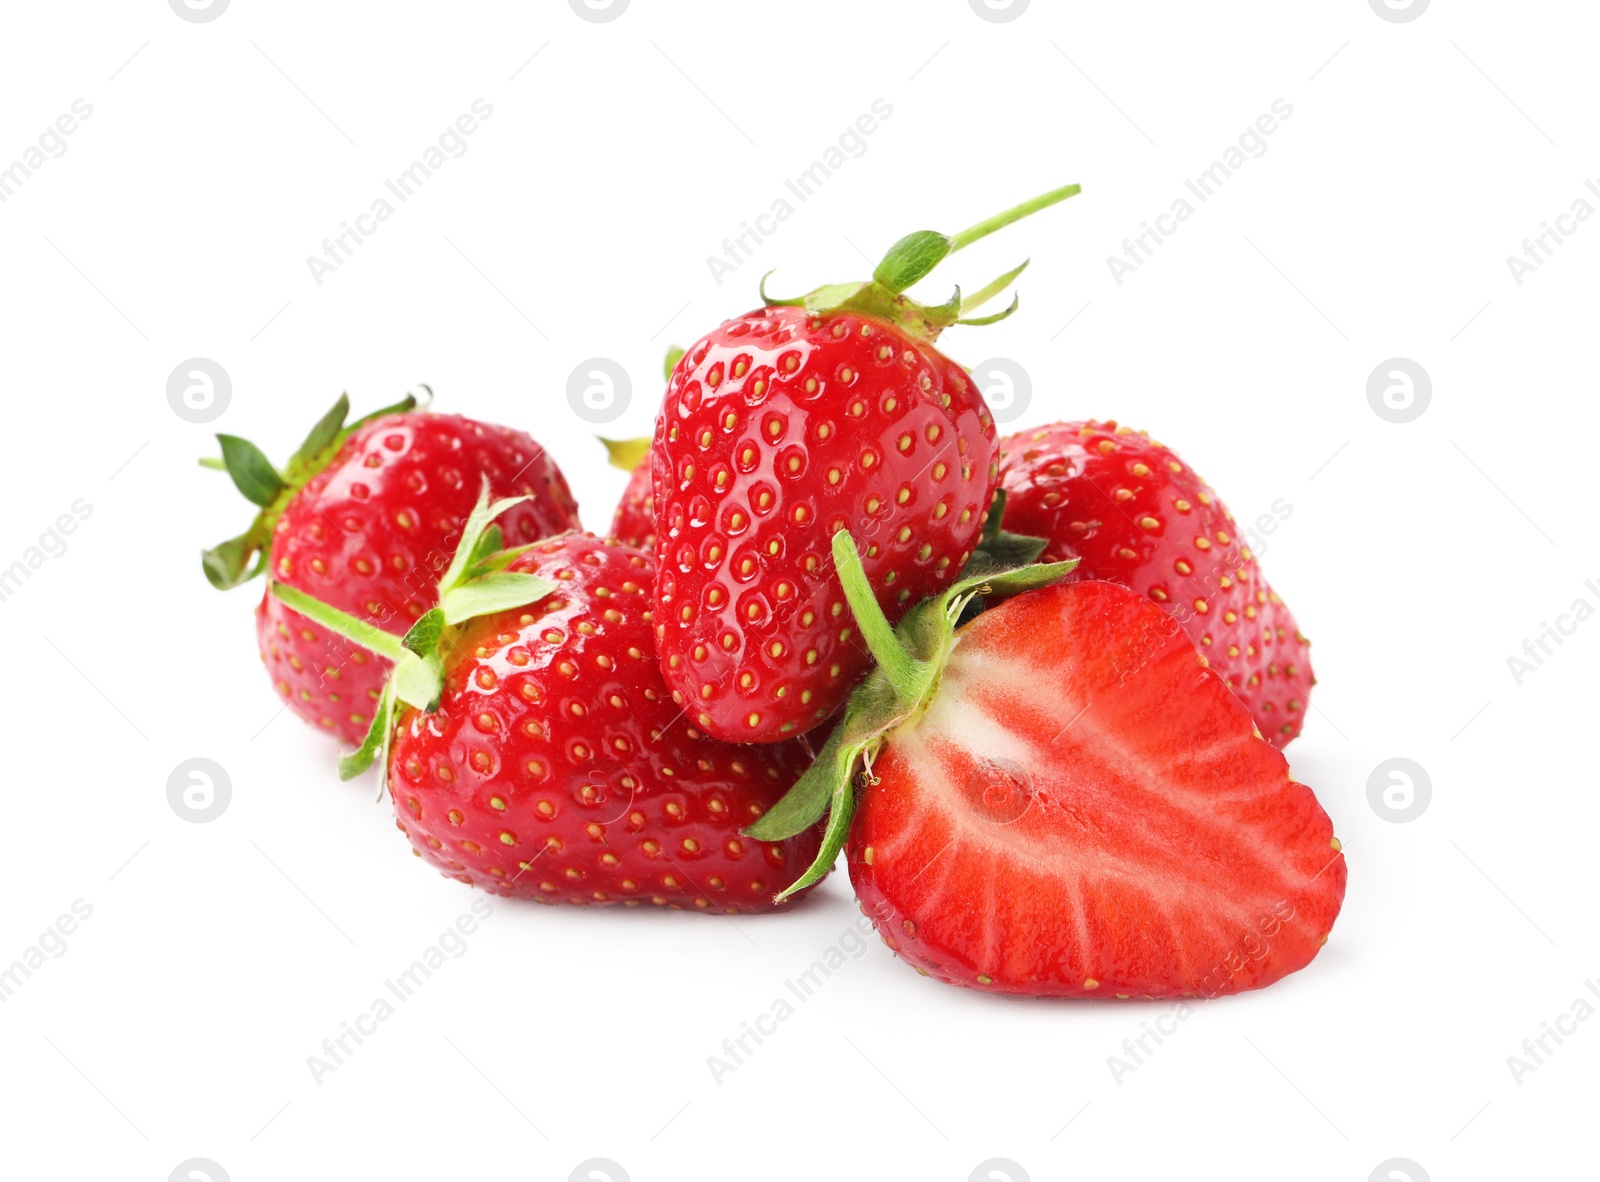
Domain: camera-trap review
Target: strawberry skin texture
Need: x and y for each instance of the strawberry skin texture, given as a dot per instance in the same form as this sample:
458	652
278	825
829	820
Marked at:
635	521
557	768
1085	810
370	534
1132	512
778	429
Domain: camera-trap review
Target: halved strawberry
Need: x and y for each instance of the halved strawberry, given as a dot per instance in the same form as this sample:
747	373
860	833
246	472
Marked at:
1063	799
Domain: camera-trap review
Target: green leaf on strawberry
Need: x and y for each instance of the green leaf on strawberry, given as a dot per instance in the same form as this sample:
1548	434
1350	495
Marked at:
509	739
238	560
626	454
464	594
912	259
252	473
910	658
376	745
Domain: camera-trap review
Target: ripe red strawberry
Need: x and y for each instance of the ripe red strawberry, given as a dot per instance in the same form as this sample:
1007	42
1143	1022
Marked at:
634	523
365	517
1063	799
783	426
553	765
636	514
1132	512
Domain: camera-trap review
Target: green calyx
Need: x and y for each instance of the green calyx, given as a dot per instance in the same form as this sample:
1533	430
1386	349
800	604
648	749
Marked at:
477	583
912	259
910	659
999	550
626	454
240	559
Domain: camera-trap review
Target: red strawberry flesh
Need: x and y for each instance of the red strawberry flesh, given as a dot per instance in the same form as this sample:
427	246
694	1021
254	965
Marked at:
1083	810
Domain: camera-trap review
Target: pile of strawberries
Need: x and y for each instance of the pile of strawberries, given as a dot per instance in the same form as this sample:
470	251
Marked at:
1035	687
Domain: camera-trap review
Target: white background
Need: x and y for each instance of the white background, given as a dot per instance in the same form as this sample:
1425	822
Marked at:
1418	557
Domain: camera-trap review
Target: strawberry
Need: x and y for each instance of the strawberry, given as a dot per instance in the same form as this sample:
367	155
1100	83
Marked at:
635	521
1132	512
783	426
541	757
364	517
1061	798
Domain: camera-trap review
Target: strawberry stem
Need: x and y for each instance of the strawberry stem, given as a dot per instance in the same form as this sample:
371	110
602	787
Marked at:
911	260
1015	214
